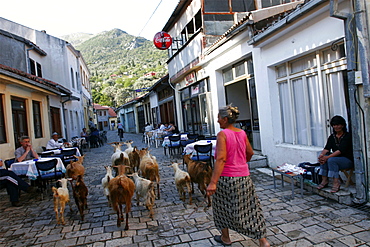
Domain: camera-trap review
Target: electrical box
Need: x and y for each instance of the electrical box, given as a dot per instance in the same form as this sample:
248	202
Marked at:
358	78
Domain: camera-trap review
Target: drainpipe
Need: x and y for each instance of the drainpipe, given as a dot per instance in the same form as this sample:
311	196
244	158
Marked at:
363	43
64	115
350	35
28	67
364	55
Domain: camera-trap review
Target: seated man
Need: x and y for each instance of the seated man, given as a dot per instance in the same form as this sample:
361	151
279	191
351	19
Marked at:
53	143
84	133
13	184
148	127
25	152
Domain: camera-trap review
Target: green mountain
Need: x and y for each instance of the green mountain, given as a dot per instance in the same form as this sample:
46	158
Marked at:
77	38
118	63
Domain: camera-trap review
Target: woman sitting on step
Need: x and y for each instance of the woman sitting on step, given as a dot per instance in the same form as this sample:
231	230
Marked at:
336	155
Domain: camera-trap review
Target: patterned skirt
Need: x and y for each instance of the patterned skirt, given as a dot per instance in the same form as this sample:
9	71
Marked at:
237	207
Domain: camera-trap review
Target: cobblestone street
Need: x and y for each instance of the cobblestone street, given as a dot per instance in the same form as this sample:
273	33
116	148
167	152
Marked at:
308	221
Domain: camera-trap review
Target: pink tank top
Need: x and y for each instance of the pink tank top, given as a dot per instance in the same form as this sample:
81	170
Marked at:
236	164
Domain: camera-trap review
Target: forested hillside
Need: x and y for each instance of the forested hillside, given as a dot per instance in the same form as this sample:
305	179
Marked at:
118	63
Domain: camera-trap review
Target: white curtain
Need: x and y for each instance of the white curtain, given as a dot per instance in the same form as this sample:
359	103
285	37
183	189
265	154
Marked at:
286	112
300	111
337	103
315	96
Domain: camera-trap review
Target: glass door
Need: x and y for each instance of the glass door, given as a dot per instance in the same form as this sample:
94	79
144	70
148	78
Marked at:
206	121
19	119
192	116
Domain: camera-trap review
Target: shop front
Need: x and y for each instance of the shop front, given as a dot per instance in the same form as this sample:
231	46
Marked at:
196	102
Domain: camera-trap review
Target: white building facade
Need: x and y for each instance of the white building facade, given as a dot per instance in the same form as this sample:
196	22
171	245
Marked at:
65	66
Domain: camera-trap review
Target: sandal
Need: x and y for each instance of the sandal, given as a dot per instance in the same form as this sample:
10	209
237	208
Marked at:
219	240
335	189
321	186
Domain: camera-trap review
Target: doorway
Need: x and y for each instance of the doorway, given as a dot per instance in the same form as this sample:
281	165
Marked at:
55	120
243	95
19	119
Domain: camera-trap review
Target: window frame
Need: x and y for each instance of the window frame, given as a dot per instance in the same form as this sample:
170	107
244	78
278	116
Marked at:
312	77
3	136
37	118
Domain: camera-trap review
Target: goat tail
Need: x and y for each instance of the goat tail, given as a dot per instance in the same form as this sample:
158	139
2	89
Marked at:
55	191
150	197
187	178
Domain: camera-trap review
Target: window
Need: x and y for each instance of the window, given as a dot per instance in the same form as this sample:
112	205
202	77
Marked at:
38	67
242	5
241	69
32	67
309	98
37	119
269	3
73	79
35	68
189	30
2	120
216	6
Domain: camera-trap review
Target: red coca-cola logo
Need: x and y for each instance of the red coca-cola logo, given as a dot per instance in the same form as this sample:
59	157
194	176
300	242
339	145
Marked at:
162	40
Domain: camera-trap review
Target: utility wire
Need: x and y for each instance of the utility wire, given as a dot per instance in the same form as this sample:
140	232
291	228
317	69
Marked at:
150	18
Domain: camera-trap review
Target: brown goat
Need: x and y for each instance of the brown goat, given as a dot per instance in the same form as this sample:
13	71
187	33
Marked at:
80	192
134	159
74	169
121	191
149	167
123	161
200	173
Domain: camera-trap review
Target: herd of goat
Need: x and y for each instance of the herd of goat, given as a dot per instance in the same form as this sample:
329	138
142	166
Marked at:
136	171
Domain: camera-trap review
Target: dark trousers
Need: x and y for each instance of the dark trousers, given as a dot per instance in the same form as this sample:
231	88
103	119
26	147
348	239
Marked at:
120	133
11	187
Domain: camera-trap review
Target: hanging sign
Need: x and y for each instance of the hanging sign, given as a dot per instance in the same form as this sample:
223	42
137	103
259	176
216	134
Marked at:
162	40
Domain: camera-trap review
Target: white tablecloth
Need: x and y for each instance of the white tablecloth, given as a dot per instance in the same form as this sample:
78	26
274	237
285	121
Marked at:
166	140
29	169
189	149
58	151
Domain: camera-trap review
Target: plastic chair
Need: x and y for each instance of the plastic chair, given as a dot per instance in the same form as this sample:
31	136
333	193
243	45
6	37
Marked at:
192	137
203	153
8	163
68	155
44	177
47	154
174	144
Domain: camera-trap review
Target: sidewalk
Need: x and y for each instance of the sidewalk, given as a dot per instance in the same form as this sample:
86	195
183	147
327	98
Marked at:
308	221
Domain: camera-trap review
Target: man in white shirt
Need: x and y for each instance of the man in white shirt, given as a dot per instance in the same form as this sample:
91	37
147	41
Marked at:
148	127
53	142
162	127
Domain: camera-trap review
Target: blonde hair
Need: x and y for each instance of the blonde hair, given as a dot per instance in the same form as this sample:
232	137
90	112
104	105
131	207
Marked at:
229	111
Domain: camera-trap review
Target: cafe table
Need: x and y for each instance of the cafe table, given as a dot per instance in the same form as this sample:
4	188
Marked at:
166	140
58	151
189	149
29	169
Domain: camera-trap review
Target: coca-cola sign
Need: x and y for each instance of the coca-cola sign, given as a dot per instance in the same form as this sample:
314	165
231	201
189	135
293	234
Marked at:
162	40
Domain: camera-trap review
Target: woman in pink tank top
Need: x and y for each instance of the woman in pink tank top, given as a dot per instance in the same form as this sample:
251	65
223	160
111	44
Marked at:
235	203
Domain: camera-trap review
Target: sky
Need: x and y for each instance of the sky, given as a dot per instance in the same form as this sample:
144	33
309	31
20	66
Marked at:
60	18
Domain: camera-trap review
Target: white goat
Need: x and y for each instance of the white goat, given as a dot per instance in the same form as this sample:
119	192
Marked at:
144	188
119	157
182	179
105	181
60	197
129	148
